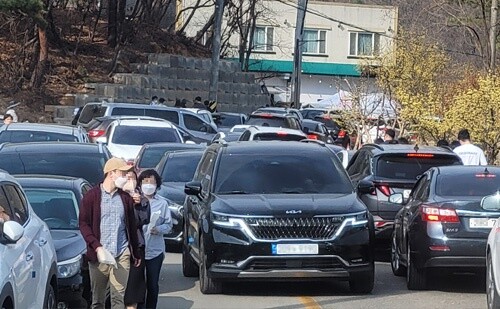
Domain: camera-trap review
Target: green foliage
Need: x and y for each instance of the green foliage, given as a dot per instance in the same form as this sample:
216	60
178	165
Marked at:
30	7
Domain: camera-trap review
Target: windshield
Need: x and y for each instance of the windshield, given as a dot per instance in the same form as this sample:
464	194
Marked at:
404	167
134	135
277	137
58	208
19	136
86	165
180	168
272	174
267	122
467	185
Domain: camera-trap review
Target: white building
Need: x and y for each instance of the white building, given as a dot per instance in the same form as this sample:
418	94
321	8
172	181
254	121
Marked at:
337	36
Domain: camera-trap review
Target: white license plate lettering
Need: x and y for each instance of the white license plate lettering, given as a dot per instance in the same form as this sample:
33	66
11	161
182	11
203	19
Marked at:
485	223
294	249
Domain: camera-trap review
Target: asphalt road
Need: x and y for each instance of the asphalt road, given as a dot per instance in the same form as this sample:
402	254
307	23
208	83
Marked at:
450	291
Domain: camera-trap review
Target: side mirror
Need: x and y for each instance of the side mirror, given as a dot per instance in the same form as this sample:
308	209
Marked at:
102	140
12	231
193	188
491	202
365	187
396	198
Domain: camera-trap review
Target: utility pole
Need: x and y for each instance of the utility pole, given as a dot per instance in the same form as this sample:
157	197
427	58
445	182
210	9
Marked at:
297	54
216	42
493	33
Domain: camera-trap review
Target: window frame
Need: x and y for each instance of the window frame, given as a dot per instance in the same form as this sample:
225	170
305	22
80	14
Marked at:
267	47
13	208
375	48
318	42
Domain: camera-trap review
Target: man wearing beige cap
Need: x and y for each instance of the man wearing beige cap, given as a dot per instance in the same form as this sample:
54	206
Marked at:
107	224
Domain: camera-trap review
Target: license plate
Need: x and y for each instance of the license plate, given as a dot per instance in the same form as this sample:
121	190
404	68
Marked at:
279	249
406	193
486	223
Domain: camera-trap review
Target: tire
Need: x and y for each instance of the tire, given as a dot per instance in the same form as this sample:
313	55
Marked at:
415	277
189	266
362	283
50	298
492	297
397	269
207	285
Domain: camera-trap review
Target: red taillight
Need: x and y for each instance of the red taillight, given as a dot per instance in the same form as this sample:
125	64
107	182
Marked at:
385	189
280	133
439	248
435	214
486	175
265	115
312	136
96	133
420	155
341	134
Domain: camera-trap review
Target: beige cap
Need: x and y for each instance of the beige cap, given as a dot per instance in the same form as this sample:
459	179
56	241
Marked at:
116	164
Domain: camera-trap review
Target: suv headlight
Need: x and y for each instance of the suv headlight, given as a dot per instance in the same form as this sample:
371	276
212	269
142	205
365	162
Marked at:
225	221
69	268
359	219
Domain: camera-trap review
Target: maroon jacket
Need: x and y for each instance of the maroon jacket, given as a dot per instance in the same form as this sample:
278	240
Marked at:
90	222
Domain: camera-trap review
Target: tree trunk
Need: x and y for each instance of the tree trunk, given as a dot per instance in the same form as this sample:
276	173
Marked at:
120	20
112	22
43	59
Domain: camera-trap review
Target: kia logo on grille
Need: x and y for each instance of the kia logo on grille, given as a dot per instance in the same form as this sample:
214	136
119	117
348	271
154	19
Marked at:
293	212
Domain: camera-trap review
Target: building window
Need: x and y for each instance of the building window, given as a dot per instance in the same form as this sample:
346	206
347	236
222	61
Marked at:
364	44
263	38
314	42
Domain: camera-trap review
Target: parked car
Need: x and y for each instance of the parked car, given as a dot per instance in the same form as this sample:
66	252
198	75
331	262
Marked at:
22	132
392	168
226	121
28	268
281	111
312	112
203	113
492	203
125	137
274	120
151	153
443	224
176	168
57	200
83	160
255	133
317	130
184	118
275	211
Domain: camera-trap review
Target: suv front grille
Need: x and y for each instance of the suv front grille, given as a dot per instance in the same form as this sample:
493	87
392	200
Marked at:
324	263
317	228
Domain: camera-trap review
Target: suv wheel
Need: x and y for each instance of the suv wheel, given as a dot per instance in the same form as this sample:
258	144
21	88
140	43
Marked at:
415	277
362	282
397	269
189	266
492	297
207	285
50	297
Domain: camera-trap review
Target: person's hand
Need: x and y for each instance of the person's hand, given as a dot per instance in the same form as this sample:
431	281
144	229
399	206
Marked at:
136	197
154	231
137	262
98	249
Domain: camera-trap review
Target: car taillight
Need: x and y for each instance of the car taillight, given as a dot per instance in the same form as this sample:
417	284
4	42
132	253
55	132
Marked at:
385	189
96	133
435	214
280	133
312	136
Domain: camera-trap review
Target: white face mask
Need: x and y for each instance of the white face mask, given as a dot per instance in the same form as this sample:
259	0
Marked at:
120	181
148	189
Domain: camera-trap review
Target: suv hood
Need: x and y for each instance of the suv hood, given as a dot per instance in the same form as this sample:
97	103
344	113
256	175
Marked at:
173	191
68	243
295	204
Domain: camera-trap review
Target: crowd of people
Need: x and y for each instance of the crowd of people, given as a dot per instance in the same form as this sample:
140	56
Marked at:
197	103
122	221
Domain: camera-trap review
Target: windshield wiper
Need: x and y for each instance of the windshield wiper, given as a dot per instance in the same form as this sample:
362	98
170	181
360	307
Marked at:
233	192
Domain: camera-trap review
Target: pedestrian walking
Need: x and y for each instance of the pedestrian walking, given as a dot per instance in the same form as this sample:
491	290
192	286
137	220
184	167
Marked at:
160	223
154	100
162	102
468	152
135	293
8	119
443	143
107	224
198	104
389	136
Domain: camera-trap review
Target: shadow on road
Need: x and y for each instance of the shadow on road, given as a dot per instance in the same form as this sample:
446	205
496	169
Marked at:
176	302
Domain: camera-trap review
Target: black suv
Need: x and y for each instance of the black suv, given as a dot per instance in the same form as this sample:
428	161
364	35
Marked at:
266	210
384	169
267	119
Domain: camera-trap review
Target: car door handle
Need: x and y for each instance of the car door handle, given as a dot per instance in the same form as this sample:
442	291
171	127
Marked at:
29	257
42	242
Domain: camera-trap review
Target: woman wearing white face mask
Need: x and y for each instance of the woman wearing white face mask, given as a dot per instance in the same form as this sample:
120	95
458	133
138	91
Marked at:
160	223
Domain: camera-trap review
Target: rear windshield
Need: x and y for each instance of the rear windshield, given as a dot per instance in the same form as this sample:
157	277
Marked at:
280	174
85	165
58	208
310	114
267	122
228	121
404	167
467	185
132	135
180	168
328	122
19	136
277	137
127	111
91	111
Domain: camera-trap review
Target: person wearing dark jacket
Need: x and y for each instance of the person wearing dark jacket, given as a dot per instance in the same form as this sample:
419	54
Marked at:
108	226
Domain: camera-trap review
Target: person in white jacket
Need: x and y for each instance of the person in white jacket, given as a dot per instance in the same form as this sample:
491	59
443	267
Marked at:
160	223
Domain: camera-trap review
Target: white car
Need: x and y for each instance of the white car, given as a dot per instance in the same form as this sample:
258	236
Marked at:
493	254
125	137
28	267
259	133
